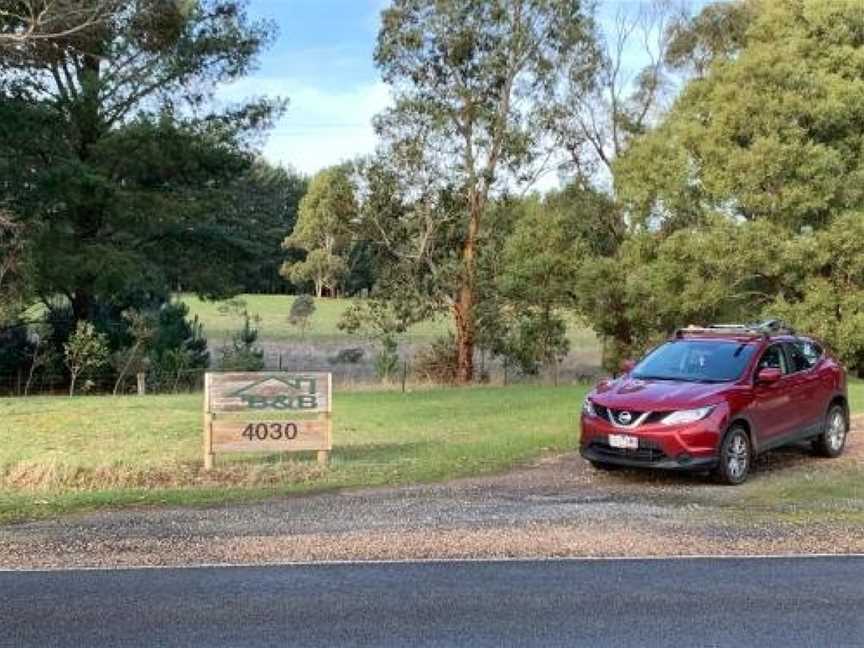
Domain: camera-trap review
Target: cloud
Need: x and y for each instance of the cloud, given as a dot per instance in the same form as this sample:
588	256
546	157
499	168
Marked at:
321	127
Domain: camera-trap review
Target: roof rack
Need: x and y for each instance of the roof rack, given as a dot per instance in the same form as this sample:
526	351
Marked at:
764	329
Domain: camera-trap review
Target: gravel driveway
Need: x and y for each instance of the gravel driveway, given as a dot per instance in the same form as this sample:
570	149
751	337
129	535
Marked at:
558	506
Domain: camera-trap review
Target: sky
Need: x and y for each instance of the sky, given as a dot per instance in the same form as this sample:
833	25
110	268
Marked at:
322	63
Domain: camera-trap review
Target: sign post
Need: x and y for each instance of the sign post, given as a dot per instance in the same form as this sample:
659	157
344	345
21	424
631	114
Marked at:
267	412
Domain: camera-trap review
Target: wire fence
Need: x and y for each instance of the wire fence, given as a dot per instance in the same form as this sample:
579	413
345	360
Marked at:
345	377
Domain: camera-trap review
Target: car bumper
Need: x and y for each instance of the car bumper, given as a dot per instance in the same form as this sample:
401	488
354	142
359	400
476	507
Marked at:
690	447
598	453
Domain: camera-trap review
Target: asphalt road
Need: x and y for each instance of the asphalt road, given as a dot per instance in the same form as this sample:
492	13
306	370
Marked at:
701	602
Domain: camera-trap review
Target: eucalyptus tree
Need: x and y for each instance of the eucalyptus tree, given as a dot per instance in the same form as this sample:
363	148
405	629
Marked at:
323	230
471	82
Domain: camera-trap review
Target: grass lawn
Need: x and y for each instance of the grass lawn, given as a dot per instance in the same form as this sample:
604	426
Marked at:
274	327
63	455
273	311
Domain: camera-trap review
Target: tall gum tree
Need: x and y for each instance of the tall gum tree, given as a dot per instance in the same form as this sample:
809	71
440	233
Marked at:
471	80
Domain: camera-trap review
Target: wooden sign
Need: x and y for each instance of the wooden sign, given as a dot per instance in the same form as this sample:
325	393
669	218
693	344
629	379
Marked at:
267	412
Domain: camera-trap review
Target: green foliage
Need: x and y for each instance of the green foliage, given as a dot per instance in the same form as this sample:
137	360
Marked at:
472	83
439	362
772	132
266	199
142	328
322	230
15	269
116	163
746	200
15	349
716	33
302	309
178	351
827	299
387	359
86	350
536	338
243	354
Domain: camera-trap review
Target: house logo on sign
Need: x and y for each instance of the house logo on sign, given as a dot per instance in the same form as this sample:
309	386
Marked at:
296	393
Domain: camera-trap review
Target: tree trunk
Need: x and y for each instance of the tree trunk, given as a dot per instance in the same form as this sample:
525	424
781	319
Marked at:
32	371
463	309
463	318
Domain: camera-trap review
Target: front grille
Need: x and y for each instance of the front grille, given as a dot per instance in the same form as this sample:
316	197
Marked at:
648	451
610	414
616	413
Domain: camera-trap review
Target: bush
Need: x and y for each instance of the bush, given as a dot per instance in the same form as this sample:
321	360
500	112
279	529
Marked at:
243	354
439	362
387	359
85	351
302	309
537	339
178	351
348	356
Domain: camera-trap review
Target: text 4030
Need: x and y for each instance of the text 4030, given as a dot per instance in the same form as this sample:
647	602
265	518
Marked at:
275	431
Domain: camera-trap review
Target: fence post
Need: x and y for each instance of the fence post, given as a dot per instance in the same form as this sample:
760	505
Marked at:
142	383
505	371
404	373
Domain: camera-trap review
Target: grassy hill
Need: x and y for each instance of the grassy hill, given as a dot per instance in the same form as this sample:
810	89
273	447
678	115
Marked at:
273	310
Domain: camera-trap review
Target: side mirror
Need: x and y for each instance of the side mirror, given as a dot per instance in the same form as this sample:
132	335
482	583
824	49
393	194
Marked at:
768	375
626	366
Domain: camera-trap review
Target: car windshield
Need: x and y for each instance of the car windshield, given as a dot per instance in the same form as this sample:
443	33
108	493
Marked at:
695	361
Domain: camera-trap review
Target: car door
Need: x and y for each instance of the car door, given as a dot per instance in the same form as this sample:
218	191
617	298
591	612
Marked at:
771	411
804	388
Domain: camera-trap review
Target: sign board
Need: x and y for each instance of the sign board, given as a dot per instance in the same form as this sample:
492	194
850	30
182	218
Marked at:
267	412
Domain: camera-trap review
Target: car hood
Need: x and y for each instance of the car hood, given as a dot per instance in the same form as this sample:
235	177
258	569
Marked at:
657	395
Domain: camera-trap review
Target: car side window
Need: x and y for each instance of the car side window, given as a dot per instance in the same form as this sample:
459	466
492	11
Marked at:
773	358
804	354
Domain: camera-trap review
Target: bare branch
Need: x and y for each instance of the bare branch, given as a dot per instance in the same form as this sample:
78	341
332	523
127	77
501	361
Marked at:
46	20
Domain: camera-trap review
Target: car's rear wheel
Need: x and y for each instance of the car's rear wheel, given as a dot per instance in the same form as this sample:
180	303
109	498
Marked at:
832	441
736	457
602	465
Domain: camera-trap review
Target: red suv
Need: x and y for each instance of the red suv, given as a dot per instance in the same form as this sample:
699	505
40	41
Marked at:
713	398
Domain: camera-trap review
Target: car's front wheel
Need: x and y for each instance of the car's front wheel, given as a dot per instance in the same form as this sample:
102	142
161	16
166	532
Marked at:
736	456
833	438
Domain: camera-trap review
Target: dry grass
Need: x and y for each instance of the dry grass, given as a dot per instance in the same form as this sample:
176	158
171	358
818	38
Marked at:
54	476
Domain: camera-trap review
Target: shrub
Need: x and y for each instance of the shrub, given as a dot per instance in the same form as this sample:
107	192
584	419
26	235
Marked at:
302	310
86	350
387	359
243	354
348	356
178	350
439	362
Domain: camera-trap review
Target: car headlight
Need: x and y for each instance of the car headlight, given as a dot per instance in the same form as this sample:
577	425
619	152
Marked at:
687	416
588	407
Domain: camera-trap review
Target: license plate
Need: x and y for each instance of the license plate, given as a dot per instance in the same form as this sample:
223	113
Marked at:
624	441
